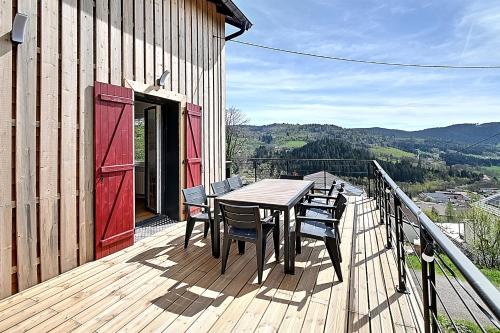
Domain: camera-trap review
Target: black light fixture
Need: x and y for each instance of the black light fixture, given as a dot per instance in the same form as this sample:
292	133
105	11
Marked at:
18	28
161	81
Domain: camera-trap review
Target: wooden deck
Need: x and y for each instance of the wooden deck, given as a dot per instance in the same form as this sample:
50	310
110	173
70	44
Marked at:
156	285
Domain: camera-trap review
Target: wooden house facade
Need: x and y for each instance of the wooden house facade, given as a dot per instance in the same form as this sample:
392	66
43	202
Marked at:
71	96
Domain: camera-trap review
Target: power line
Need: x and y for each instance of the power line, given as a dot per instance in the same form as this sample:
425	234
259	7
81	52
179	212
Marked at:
479	142
361	61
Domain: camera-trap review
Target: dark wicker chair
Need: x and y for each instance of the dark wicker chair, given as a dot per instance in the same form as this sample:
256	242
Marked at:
292	177
198	210
235	182
321	226
244	224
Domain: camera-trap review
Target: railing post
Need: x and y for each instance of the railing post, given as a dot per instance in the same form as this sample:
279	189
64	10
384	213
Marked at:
383	202
287	167
369	176
324	175
398	218
429	298
255	170
388	224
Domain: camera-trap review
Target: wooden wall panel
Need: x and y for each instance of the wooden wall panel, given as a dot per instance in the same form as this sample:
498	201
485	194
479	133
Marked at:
69	116
49	142
128	39
211	117
223	93
102	40
26	93
5	148
182	47
115	40
149	41
86	130
167	42
139	41
189	46
215	92
174	29
158	38
206	89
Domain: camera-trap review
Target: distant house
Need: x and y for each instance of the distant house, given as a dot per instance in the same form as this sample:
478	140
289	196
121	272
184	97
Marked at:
445	197
326	179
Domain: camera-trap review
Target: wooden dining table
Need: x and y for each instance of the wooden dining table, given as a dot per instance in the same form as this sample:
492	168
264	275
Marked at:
274	194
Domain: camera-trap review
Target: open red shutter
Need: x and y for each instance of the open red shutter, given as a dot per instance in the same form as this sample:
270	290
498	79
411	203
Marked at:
193	145
114	167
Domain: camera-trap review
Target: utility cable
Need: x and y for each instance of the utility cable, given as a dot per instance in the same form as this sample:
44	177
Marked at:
361	61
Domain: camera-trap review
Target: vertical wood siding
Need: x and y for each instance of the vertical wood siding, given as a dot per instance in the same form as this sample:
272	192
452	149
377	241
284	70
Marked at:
46	114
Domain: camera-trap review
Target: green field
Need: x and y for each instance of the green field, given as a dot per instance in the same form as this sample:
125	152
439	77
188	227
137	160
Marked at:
294	144
390	152
492	171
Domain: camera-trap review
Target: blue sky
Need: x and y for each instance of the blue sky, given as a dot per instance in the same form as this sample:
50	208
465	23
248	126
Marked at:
274	87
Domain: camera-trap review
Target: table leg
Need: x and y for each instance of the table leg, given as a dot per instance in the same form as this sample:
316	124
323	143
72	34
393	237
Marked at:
286	236
216	231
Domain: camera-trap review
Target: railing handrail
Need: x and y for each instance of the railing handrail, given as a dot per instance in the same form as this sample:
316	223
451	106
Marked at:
305	159
481	285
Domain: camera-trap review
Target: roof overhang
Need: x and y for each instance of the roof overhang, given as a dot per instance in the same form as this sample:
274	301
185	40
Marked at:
233	14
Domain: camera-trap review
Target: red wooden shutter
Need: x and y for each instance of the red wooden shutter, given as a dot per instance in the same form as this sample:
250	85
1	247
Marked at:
114	167
193	145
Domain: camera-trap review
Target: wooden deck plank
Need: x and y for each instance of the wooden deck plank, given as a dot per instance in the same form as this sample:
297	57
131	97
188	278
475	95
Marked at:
156	285
146	267
11	306
337	316
201	311
379	307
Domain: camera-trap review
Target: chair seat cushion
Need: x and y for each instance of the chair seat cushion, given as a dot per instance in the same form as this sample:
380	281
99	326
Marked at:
250	233
316	229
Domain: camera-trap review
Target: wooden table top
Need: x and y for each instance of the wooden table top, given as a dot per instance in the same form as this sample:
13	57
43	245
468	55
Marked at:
270	192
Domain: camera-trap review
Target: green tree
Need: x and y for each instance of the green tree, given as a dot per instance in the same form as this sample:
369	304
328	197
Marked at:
485	242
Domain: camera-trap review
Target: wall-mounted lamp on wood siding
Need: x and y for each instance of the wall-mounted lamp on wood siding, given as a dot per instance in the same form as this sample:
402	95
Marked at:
18	28
161	81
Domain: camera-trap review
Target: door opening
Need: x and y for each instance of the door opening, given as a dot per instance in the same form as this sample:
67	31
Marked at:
156	158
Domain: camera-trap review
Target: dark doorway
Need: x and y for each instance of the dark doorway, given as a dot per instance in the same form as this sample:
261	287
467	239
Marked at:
156	158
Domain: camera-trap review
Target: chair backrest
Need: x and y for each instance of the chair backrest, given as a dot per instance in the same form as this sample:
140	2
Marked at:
340	206
293	177
220	188
332	188
235	182
243	217
195	195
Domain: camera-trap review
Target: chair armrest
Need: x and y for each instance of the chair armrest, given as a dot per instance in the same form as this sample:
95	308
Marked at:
321	196
212	196
197	205
269	219
316	218
317	205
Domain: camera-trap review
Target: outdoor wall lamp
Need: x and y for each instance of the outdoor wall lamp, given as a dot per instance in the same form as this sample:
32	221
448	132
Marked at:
161	81
18	28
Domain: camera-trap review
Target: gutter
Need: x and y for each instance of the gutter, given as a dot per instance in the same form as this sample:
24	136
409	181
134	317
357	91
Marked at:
237	19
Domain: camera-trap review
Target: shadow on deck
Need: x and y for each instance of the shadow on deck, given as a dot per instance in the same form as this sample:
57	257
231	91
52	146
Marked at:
156	285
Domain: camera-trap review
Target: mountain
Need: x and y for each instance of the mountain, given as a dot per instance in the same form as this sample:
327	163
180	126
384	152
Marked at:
459	133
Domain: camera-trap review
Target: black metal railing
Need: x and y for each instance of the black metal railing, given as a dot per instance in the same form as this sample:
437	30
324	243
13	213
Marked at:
356	172
404	222
398	211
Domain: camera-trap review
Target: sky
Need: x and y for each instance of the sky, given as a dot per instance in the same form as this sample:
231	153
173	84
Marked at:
272	87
